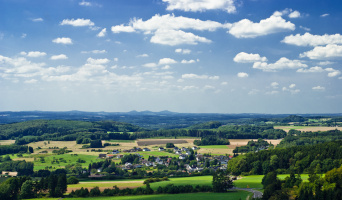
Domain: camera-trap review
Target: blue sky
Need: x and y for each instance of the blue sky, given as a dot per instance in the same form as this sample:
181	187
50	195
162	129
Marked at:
224	56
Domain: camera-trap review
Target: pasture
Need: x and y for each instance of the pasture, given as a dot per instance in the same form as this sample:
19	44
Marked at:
234	195
149	142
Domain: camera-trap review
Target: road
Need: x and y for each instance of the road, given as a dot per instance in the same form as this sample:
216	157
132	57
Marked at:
256	193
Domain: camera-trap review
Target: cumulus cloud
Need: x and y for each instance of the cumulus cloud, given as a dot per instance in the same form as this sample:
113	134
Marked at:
97	61
166	61
102	33
177	37
77	22
291	90
242	75
203	5
63	40
292	85
248	29
122	28
243	57
332	72
188	61
282	63
150	65
326	63
195	76
312	40
318	88
183	51
274	84
59	57
95	51
34	54
168	29
84	3
311	70
294	14
324	52
38	19
142	55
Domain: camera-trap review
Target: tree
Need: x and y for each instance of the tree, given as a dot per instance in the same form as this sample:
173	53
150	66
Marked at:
170	145
27	190
221	181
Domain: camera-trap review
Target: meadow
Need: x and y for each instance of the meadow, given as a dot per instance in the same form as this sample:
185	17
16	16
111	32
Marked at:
233	195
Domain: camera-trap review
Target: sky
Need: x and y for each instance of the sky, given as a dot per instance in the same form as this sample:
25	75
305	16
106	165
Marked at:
189	56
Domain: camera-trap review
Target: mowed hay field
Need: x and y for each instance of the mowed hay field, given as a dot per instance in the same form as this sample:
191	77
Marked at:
106	184
7	142
242	142
307	128
155	142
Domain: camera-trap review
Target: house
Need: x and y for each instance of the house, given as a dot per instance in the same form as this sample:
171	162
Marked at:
146	149
161	149
184	149
7	173
182	157
128	165
99	169
194	148
188	153
139	149
175	149
178	152
110	156
119	156
199	157
148	164
115	152
102	155
199	169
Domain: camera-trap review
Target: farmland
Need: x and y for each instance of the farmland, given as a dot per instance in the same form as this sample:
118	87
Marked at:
307	128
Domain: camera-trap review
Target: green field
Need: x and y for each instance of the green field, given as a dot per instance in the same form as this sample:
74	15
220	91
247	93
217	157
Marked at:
254	181
194	180
146	154
67	157
236	195
105	184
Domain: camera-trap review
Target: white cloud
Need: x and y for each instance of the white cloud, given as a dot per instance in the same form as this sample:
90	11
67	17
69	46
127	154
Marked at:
312	40
318	88
325	15
282	63
62	40
77	22
274	84
37	19
294	14
166	67
23	35
84	3
93	61
102	33
242	75
325	52
326	63
305	28
31	81
183	51
203	5
142	55
332	72
95	51
188	61
195	76
116	59
122	28
311	70
292	91
177	37
166	61
272	92
35	54
224	83
59	57
150	65
248	29
292	85
243	57
168	29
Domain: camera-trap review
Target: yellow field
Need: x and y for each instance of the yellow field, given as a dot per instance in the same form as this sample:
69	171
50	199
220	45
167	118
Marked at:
307	128
6	142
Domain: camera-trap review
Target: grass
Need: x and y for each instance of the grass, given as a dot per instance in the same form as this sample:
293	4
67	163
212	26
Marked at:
106	184
194	180
67	157
236	195
146	154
